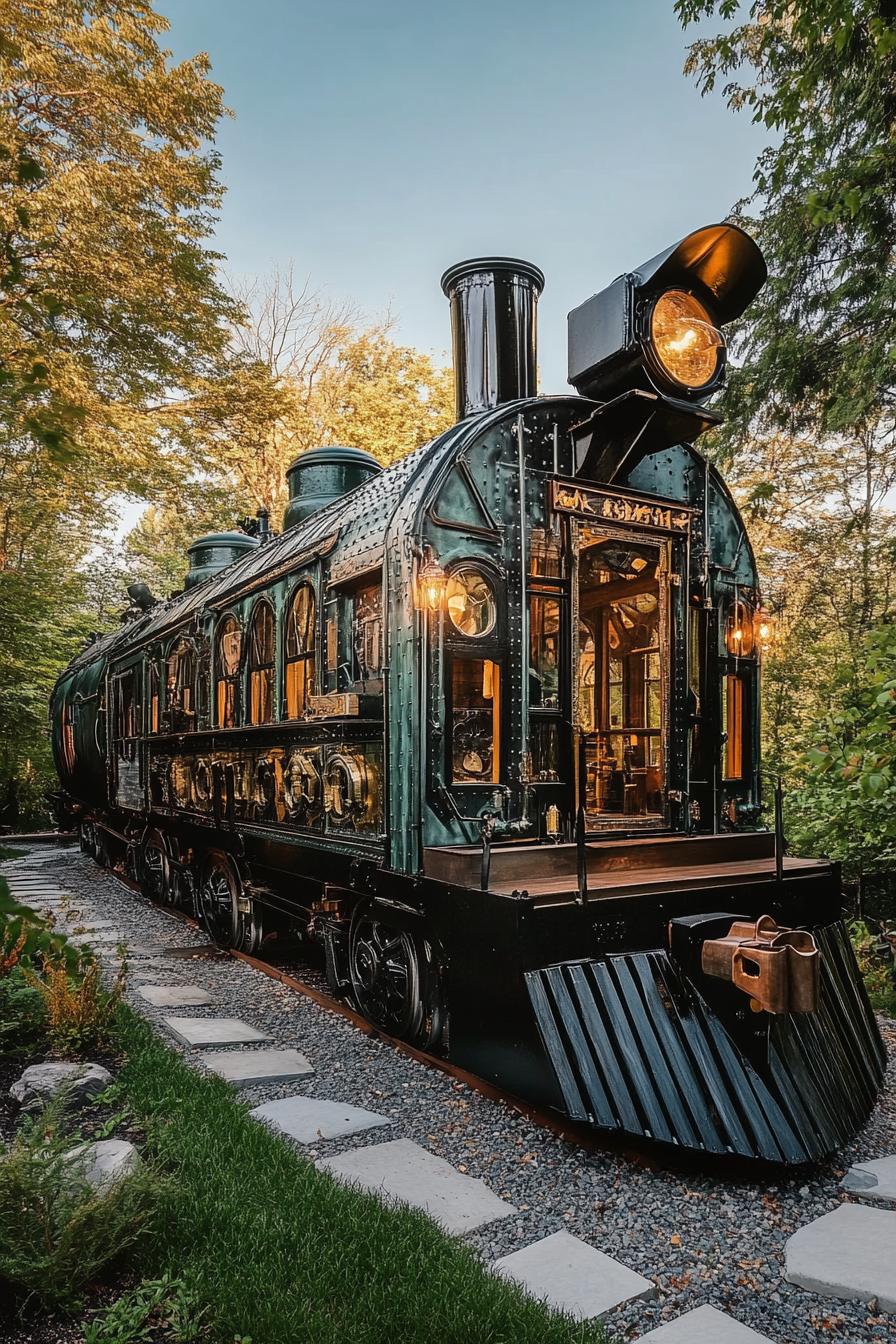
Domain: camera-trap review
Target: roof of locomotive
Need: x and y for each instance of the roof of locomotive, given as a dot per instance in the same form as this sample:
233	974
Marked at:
355	524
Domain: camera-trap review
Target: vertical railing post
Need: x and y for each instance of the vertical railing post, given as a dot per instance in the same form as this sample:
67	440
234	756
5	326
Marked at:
581	851
779	830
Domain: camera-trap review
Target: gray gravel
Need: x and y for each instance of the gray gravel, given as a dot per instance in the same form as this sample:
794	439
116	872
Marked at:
701	1238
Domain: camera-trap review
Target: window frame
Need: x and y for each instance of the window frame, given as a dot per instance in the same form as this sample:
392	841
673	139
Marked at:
309	654
250	671
222	678
189	653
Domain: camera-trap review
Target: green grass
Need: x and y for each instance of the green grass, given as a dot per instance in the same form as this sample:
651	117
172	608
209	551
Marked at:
7	853
284	1255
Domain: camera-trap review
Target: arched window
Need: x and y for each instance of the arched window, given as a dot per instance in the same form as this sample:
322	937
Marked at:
180	687
228	650
299	645
261	664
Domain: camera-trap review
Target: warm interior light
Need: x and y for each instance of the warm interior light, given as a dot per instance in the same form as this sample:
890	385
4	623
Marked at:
764	627
685	341
431	580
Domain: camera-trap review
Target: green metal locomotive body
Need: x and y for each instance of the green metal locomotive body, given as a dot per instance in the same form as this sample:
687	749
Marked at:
484	725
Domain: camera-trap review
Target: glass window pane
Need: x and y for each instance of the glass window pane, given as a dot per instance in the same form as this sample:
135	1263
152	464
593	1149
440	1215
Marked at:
733	724
476	718
544	652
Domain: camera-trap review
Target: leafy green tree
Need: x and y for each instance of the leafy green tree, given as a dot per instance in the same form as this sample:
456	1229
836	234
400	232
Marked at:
847	807
810	438
111	309
108	192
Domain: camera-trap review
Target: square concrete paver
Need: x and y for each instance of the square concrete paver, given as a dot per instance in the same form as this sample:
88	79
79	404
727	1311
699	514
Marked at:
401	1170
704	1325
242	1067
849	1253
213	1030
873	1180
571	1276
306	1119
175	996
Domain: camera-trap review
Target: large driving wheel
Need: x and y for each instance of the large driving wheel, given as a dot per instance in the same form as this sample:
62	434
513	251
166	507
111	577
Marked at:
393	978
156	877
230	917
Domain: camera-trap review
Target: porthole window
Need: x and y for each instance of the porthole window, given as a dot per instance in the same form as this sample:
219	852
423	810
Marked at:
227	670
300	651
470	600
261	664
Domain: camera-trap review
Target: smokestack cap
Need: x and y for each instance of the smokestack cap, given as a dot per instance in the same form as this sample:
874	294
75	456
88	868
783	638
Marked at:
461	269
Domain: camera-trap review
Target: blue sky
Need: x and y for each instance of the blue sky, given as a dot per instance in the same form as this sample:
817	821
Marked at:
375	144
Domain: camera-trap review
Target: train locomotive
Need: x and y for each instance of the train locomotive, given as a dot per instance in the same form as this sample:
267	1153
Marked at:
483	729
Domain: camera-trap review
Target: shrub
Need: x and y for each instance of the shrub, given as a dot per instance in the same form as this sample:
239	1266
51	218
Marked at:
80	1013
874	954
157	1309
23	1018
57	1233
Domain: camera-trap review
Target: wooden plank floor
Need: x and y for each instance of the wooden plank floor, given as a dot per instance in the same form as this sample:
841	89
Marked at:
657	880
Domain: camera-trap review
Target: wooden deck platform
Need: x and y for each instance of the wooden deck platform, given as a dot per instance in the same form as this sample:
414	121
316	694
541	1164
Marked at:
639	865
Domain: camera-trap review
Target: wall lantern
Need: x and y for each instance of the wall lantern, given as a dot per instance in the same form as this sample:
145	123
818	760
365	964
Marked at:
764	627
431	583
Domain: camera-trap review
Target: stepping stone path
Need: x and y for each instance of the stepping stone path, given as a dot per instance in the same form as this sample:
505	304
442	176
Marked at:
850	1253
705	1325
571	1276
42	1082
242	1067
404	1172
213	1030
873	1180
306	1119
175	996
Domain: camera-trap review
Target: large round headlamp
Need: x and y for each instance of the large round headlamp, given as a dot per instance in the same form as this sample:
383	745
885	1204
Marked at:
688	347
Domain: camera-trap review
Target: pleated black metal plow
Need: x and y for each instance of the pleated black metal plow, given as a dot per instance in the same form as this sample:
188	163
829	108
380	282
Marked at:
638	1050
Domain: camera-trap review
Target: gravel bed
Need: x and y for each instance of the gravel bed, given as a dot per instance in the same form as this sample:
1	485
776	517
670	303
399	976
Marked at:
704	1237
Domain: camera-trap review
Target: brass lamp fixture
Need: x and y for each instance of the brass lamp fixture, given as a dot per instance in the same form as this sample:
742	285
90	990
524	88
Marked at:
431	584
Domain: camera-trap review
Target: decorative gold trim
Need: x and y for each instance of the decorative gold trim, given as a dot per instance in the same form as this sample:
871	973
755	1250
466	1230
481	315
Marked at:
613	507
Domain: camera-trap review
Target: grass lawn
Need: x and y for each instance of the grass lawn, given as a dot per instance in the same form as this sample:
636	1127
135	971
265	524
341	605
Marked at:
282	1254
7	853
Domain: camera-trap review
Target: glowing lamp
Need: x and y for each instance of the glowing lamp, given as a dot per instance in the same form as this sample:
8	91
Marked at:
431	582
764	627
685	341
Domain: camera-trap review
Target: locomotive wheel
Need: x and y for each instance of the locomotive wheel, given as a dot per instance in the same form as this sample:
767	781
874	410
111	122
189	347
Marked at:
86	842
229	916
156	877
392	978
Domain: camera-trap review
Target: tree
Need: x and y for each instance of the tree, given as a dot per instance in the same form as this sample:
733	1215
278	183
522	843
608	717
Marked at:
110	297
848	806
810	438
301	373
111	309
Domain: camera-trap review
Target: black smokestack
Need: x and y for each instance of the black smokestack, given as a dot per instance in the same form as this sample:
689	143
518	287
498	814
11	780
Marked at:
493	330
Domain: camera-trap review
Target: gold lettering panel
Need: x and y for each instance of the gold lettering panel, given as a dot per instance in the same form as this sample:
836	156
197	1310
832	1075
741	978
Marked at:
610	506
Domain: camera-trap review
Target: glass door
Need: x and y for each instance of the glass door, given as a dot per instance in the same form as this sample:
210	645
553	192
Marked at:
622	677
